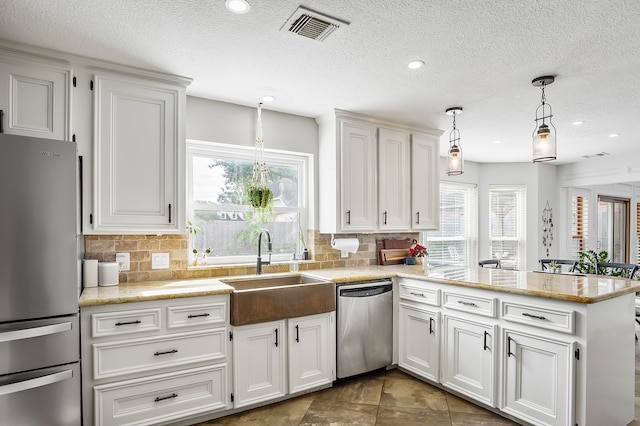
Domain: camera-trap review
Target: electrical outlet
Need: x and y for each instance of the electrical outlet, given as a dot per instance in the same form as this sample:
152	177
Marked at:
159	260
124	261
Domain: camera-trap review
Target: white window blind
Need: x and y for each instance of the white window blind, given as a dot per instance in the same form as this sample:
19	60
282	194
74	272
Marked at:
455	243
579	224
507	225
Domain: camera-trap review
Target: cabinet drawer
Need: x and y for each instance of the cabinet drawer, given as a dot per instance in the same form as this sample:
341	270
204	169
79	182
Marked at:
552	319
125	322
135	356
420	294
190	315
161	398
485	306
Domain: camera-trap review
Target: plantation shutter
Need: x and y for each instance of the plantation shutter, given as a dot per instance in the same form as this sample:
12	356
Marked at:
579	224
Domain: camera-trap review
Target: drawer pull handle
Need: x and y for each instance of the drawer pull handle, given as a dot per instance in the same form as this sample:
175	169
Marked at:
348	217
462	302
509	353
417	294
172	351
198	315
417	218
484	344
118	324
173	395
430	325
385	217
526	314
276	331
297	333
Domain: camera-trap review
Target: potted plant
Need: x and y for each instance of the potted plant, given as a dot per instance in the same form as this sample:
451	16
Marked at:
589	259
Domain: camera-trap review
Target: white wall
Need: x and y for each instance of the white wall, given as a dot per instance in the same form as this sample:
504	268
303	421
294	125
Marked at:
222	122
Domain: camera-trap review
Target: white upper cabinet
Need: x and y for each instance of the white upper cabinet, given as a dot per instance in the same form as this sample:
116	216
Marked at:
365	181
34	96
138	154
393	176
425	182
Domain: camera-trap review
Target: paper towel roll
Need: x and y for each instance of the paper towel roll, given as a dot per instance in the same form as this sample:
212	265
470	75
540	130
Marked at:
90	273
345	245
108	273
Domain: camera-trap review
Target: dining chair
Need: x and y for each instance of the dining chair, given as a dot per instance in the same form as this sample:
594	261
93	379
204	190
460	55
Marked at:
491	263
625	270
544	264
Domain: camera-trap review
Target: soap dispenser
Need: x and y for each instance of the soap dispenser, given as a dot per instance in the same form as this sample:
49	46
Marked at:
293	264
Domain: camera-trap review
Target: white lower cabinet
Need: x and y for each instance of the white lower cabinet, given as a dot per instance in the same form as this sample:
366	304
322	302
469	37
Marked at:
266	353
311	351
146	363
524	355
469	358
259	362
538	376
419	346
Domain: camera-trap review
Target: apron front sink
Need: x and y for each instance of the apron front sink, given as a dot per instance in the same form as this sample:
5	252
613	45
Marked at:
270	298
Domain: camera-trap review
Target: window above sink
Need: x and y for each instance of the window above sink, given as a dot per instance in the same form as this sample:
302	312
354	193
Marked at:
220	213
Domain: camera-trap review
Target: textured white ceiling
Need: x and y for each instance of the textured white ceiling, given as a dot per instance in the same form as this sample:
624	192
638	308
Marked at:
479	54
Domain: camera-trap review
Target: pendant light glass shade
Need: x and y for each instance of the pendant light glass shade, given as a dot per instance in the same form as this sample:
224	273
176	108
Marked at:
544	135
455	162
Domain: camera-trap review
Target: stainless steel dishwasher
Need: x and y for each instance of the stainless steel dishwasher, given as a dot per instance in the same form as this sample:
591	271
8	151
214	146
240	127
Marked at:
365	329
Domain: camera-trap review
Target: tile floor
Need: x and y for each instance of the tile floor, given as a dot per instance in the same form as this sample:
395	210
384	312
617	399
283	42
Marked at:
381	398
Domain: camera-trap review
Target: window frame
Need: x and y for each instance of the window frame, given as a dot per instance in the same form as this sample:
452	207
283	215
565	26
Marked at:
521	226
247	153
471	222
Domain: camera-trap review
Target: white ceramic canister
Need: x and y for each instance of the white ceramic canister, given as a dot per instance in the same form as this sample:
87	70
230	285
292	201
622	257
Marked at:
108	273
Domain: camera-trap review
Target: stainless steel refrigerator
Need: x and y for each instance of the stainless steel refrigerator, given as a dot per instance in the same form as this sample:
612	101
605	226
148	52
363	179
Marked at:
39	327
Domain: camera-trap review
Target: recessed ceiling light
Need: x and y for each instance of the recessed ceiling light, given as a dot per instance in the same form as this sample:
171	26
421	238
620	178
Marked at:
268	98
415	64
497	141
578	123
614	135
237	6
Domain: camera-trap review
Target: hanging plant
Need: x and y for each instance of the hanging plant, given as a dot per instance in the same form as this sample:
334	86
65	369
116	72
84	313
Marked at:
259	198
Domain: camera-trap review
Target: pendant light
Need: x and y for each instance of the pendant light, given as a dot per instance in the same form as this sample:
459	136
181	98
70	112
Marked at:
454	158
544	135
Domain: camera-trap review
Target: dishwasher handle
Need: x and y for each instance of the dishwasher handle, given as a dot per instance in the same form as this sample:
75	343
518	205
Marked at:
366	291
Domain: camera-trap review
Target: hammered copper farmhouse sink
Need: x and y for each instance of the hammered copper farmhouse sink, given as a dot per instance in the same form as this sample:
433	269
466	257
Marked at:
269	298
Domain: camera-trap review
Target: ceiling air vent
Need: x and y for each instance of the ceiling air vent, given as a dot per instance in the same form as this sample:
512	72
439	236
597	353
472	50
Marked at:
311	24
599	154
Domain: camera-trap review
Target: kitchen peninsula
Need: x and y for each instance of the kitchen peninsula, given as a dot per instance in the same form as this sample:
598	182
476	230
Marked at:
544	348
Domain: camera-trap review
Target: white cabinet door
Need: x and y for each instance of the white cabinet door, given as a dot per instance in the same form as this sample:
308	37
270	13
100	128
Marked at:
538	379
358	172
468	358
425	182
393	180
311	351
138	135
418	341
259	352
34	99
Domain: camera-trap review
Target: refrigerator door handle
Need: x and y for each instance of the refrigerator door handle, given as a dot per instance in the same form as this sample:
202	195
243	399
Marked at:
27	333
35	383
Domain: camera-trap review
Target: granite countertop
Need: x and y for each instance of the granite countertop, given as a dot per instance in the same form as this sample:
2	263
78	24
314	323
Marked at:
152	290
569	287
573	288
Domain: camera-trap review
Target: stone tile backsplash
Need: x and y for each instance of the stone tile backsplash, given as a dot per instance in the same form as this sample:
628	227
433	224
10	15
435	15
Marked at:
140	247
